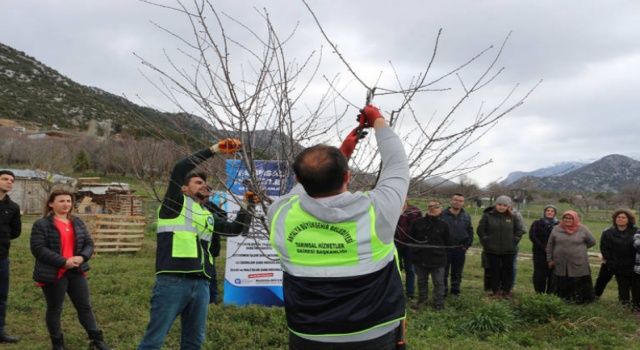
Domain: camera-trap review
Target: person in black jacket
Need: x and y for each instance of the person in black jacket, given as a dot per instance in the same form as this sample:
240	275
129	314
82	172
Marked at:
539	236
10	227
222	228
62	246
500	232
461	231
619	255
430	238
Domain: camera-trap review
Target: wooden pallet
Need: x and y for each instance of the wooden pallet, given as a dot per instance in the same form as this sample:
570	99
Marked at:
116	233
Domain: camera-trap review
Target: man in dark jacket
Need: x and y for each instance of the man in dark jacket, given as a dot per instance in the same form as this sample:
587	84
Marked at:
409	215
10	227
223	227
461	231
431	237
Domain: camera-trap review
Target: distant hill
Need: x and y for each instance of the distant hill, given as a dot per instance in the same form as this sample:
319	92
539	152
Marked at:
37	95
555	170
608	174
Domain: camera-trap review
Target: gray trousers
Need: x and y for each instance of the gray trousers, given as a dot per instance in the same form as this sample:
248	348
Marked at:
437	278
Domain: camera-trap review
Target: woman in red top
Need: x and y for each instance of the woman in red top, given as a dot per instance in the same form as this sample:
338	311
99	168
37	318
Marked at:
62	246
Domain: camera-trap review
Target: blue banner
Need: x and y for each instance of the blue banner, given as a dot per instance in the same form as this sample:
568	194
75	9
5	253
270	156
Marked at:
272	176
252	270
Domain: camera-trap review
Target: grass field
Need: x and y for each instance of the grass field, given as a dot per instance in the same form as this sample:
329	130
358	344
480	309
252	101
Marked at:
121	287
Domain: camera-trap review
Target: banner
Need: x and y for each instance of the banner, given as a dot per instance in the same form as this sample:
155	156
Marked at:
252	271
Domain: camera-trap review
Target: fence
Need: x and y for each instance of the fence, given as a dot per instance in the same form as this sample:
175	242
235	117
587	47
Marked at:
116	233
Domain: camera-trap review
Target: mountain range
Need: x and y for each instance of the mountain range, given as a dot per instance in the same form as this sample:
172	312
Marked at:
38	96
608	174
554	170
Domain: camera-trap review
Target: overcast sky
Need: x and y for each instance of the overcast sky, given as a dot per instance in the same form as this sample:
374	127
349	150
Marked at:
587	52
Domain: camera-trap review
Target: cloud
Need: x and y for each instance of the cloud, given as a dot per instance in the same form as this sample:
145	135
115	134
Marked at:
586	51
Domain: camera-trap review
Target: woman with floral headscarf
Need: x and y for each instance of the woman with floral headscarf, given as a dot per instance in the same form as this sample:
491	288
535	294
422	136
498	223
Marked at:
567	256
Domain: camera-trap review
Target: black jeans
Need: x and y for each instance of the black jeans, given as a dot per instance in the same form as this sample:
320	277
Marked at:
213	287
543	279
384	342
501	272
74	284
629	284
604	276
4	290
455	264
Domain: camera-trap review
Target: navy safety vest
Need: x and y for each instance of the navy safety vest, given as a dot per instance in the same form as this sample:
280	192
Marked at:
339	279
184	242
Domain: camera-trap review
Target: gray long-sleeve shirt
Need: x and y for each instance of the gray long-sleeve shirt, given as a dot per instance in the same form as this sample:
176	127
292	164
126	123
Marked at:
387	197
569	251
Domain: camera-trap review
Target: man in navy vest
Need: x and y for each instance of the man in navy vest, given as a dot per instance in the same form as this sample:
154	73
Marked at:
184	260
341	282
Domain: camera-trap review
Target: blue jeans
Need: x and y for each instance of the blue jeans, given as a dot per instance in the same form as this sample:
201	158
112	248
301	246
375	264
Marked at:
175	295
4	290
455	264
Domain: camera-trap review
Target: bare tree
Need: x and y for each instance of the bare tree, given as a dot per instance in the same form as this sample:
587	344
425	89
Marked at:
630	195
244	83
583	202
495	189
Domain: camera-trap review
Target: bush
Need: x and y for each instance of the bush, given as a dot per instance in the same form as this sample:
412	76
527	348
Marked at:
541	308
489	319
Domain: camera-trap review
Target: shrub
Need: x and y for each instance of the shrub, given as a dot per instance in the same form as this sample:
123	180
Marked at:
489	319
541	308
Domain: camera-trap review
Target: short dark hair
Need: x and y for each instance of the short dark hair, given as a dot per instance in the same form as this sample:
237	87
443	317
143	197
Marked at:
458	194
7	172
320	169
192	174
628	213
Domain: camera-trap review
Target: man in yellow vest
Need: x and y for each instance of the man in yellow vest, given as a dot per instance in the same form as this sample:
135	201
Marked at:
341	281
184	263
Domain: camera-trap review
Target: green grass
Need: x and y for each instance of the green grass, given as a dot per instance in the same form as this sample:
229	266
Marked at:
121	288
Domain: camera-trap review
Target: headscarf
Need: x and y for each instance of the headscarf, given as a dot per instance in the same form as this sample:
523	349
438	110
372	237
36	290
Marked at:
553	220
576	222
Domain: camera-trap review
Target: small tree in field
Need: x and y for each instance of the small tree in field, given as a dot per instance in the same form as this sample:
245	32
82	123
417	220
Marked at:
81	162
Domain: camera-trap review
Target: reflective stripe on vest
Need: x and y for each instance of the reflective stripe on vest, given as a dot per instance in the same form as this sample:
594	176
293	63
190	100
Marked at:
308	247
192	224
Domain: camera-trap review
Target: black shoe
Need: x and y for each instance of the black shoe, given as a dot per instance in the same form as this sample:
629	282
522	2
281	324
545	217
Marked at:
97	341
6	338
57	342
